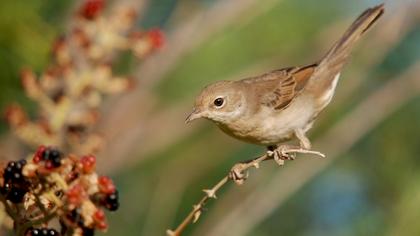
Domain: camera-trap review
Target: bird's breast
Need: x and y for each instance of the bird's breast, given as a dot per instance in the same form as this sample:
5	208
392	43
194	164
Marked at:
269	126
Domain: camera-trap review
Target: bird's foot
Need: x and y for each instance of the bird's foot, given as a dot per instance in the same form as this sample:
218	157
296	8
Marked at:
281	154
284	153
238	173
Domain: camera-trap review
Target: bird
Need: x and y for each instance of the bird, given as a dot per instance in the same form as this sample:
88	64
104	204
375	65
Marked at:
281	105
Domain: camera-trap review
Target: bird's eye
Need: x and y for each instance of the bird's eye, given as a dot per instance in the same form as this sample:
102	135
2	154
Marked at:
218	102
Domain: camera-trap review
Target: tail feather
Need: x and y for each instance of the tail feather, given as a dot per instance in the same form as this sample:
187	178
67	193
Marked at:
334	60
354	32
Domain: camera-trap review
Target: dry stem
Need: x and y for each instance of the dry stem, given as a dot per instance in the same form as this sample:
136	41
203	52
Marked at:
238	174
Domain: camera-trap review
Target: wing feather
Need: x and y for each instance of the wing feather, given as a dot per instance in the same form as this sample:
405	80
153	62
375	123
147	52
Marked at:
283	85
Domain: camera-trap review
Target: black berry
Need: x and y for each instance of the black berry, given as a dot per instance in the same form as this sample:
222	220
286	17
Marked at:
8	173
22	162
34	232
5	189
13	172
15	185
88	231
46	154
42	232
11	164
16	195
56	162
17	177
52	232
52	156
111	201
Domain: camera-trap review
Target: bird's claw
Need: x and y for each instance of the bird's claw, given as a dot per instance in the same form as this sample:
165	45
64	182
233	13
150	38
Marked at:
285	155
280	155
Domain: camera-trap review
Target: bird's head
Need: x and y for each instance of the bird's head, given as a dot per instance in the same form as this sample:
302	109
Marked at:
222	102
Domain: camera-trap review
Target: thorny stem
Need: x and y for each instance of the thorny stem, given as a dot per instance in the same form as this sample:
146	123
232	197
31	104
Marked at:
197	209
236	175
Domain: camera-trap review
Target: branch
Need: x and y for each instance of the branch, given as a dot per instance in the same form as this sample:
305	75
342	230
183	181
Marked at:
238	174
197	209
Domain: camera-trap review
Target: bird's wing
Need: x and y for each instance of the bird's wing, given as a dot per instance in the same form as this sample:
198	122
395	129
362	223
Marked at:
278	88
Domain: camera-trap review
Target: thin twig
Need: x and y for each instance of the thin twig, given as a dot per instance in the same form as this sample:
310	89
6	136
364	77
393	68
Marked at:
197	209
238	174
195	214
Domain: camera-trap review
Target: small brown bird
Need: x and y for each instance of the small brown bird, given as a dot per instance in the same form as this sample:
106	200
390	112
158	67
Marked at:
275	107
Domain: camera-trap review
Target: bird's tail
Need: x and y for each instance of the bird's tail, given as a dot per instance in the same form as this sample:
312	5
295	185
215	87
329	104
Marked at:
332	63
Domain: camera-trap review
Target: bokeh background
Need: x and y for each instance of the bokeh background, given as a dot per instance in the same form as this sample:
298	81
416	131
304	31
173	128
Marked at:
368	185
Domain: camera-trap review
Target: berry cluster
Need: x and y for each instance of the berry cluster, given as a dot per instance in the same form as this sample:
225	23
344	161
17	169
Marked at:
69	92
106	196
15	185
41	232
50	156
72	87
64	184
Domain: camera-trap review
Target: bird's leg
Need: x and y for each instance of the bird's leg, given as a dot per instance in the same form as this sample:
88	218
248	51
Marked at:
305	145
303	140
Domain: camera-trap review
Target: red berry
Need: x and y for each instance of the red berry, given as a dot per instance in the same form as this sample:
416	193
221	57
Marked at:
92	8
37	159
99	215
76	194
106	185
156	38
102	225
49	165
88	163
39	153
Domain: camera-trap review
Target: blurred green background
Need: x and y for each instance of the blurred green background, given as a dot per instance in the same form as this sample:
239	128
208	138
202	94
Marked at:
372	189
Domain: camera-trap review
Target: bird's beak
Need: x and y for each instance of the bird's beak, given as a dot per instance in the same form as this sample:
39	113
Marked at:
195	114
